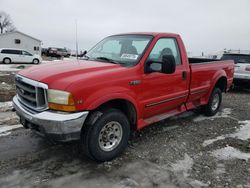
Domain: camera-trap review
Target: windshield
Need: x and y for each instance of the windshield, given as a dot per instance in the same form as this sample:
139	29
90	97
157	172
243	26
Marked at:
120	49
238	58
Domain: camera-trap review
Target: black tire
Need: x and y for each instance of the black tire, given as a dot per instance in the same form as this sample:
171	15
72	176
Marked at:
91	132
36	61
6	60
213	107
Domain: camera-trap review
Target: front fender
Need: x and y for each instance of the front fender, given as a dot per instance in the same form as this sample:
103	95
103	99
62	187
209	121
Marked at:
102	96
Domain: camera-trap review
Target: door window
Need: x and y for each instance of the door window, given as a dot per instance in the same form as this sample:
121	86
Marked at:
27	53
164	46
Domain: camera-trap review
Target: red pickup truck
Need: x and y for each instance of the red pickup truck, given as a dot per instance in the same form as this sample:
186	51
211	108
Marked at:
124	83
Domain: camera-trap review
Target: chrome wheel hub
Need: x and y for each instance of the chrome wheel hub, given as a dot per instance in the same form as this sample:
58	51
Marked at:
110	136
215	102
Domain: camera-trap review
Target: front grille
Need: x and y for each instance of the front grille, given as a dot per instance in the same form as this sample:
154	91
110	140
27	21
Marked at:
31	93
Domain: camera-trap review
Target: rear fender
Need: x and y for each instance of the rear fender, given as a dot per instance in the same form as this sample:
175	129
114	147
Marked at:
219	74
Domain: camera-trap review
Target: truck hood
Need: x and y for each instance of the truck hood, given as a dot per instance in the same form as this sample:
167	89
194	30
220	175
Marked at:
60	75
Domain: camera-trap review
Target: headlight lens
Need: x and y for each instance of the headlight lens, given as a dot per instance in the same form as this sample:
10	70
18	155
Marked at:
58	97
61	100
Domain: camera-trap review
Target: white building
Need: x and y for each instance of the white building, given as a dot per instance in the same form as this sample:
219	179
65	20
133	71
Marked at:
20	40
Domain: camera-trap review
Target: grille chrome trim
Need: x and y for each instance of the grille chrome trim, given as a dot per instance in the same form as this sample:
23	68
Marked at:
31	93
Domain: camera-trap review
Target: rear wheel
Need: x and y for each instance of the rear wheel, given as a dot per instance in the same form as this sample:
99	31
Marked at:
105	135
6	60
214	103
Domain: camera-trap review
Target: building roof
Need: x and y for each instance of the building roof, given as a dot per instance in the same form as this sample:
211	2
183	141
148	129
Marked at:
21	34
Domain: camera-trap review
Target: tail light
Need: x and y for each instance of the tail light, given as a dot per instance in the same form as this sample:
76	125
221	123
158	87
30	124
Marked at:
248	68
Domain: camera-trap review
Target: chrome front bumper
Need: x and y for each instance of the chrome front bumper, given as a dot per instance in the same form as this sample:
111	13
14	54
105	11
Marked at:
58	126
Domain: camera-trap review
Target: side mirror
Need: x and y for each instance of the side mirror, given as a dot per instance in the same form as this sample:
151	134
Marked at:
168	64
84	53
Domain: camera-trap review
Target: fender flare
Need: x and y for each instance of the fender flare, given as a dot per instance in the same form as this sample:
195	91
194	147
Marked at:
94	103
218	75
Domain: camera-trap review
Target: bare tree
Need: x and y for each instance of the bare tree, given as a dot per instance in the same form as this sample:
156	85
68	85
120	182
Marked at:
6	24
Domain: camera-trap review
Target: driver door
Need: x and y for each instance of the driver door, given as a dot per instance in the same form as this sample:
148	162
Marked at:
164	92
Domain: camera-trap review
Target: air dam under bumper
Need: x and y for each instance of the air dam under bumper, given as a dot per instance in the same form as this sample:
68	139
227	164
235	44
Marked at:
57	126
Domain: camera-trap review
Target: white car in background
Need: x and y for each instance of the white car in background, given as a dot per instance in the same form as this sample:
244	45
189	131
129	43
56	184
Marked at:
241	68
11	55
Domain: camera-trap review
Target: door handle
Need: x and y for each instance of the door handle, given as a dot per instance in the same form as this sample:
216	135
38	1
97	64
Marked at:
184	75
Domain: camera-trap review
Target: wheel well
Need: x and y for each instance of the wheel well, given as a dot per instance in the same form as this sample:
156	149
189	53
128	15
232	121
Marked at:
35	59
6	58
125	106
222	84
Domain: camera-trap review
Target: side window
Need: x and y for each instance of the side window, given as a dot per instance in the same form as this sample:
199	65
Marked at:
26	53
17	41
36	48
4	51
17	52
164	46
14	52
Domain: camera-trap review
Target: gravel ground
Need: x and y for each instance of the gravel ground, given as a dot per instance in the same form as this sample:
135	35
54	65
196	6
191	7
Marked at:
189	150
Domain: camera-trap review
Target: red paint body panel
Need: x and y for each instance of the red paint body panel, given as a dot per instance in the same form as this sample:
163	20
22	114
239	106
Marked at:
96	83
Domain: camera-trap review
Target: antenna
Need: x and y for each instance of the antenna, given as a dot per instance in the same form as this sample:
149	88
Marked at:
76	42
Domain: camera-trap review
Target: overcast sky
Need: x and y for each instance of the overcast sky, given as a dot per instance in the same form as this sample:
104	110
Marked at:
205	25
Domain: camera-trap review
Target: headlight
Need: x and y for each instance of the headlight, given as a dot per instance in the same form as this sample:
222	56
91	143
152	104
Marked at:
61	100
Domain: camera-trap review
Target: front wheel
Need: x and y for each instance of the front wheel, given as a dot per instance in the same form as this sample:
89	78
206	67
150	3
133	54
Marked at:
214	103
105	135
35	61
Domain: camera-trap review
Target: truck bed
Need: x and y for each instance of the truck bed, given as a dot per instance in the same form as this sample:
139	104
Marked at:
204	75
201	60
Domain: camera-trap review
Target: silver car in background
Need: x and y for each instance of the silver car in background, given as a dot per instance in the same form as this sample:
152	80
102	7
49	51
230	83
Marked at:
12	55
242	68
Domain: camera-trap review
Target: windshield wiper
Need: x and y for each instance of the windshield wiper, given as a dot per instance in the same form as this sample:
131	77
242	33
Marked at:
107	60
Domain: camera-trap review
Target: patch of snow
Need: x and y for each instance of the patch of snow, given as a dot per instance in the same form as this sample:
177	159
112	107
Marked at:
244	131
8	68
5	134
4	129
225	113
126	183
2	74
210	141
183	166
5	106
197	183
230	153
168	128
5	87
220	169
